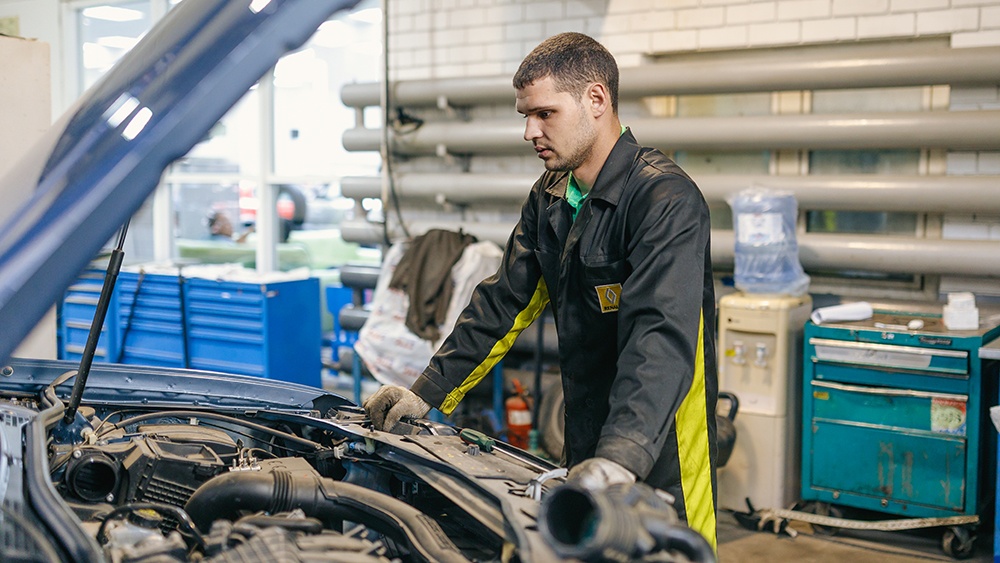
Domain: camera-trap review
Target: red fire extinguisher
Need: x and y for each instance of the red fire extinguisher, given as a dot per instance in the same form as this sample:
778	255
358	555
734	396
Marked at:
518	417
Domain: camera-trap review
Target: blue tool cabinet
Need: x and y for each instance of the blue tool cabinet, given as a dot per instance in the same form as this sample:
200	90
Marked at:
896	420
271	330
76	315
149	320
267	329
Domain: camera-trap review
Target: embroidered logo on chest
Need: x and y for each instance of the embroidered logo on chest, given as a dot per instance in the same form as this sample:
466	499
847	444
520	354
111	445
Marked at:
609	296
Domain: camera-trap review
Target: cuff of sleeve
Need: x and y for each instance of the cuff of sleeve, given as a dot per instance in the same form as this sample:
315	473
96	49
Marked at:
626	453
428	388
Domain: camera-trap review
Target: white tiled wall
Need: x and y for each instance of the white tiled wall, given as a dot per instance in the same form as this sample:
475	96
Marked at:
456	38
973	162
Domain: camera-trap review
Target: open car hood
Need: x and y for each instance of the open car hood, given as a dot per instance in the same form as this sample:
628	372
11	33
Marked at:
97	165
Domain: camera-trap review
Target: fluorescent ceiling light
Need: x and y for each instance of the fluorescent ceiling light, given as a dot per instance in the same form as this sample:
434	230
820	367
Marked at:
112	13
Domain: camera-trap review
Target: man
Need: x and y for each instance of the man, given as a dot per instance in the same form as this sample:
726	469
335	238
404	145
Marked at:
221	229
616	237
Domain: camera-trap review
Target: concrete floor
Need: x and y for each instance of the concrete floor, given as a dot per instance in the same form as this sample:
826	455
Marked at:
738	545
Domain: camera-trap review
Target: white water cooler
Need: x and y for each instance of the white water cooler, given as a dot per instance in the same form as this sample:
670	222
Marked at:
760	361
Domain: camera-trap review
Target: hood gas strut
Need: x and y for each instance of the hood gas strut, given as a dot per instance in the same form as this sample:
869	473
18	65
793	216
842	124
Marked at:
90	349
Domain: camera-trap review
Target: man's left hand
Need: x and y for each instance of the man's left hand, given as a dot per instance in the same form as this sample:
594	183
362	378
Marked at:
598	473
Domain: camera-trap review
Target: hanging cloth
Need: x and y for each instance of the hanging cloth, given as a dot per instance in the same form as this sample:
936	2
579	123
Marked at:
424	274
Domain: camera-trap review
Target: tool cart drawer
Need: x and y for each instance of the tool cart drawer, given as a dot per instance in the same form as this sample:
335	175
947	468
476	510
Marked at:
892	445
76	314
266	329
889	466
909	358
932	369
895	408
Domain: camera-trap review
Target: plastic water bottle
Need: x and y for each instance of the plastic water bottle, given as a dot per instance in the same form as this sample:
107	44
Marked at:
767	253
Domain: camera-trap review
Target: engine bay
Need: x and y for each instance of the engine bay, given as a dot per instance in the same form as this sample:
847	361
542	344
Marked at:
158	484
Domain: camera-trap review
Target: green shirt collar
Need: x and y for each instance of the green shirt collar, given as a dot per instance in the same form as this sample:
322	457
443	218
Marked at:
574	196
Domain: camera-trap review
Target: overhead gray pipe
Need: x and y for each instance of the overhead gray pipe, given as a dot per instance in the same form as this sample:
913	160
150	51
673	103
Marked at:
855	192
363	232
816	251
457	187
800	68
961	130
891	254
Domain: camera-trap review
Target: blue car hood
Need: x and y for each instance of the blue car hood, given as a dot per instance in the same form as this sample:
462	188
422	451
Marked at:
97	165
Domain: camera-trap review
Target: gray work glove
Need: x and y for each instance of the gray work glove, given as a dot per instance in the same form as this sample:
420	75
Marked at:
390	403
598	473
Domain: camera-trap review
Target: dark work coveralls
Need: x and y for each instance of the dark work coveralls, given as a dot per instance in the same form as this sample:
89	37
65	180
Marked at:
630	282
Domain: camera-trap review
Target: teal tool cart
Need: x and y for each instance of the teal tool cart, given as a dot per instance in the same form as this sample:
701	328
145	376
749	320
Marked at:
895	419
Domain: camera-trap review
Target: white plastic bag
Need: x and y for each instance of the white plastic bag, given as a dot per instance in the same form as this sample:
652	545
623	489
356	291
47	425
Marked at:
390	351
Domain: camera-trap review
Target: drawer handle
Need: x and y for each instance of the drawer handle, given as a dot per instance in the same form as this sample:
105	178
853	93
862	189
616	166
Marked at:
889	348
889	391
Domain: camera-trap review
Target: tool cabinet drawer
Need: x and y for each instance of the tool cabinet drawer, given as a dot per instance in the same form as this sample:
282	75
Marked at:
903	409
894	468
77	314
945	362
213	298
149	317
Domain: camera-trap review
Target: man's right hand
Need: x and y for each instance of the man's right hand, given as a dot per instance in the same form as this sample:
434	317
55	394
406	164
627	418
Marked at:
391	403
597	473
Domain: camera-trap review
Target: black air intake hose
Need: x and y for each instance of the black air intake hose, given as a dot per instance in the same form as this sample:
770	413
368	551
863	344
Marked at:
227	495
624	522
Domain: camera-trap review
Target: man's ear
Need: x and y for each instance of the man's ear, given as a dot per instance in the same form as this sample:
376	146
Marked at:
598	99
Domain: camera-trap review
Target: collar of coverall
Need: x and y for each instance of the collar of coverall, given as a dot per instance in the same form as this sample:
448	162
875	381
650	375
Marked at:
616	166
574	195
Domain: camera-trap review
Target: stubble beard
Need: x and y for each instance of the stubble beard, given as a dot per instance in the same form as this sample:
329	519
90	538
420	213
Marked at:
580	153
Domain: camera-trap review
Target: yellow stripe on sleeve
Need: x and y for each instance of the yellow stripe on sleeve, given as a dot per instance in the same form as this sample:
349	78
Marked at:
692	447
534	310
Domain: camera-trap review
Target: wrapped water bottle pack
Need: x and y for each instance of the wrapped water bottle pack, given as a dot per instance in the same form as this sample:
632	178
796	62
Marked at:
767	252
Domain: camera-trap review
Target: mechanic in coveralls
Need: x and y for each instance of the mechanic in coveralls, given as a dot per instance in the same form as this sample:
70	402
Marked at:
616	237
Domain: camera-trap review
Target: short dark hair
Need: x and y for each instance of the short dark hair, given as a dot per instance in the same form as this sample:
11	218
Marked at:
573	60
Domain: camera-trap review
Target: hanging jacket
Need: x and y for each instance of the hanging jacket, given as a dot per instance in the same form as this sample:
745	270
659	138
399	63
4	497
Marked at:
424	274
630	283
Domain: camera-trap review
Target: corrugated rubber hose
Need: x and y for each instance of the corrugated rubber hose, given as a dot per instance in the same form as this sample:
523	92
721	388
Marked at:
227	495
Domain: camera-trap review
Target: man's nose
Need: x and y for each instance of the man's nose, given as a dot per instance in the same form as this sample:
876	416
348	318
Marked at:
531	129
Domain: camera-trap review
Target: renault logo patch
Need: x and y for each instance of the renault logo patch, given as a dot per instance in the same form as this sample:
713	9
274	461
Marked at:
609	296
